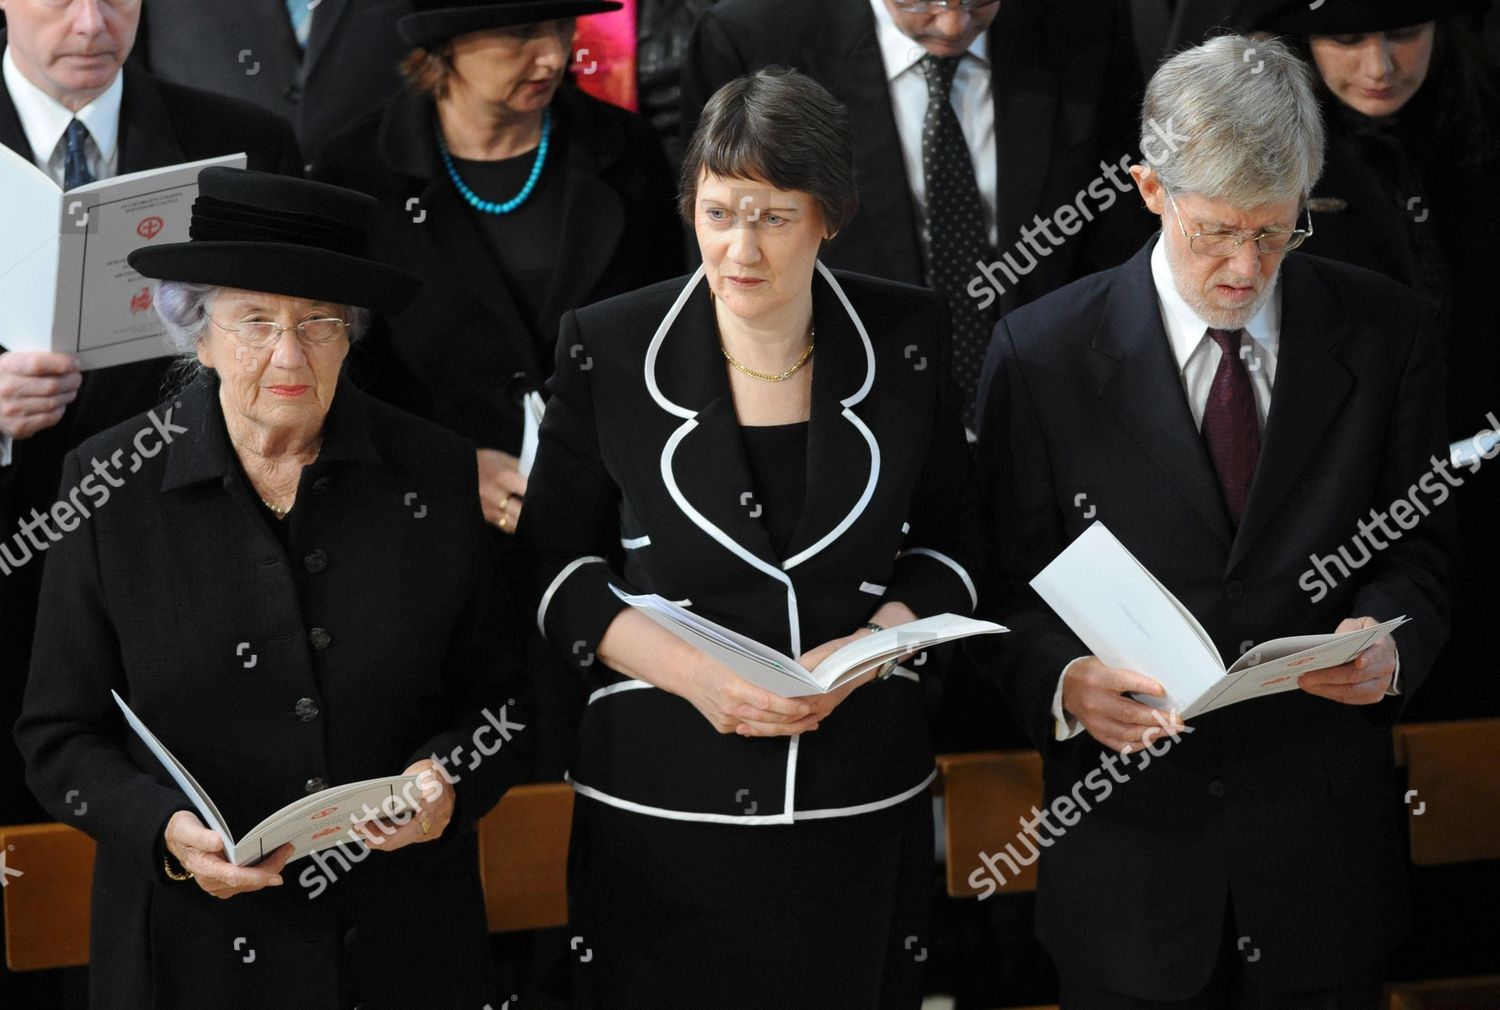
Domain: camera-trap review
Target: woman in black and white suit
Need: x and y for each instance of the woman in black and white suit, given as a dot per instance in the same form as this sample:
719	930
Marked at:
777	447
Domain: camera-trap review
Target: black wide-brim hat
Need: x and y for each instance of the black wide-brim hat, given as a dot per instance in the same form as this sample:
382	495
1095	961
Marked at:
1349	17
434	21
285	236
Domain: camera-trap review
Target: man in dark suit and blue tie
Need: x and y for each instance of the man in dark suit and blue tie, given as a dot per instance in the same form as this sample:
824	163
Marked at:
1243	418
72	106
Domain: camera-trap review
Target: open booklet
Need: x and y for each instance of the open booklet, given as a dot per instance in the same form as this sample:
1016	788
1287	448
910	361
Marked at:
532	409
1131	621
64	281
313	823
765	667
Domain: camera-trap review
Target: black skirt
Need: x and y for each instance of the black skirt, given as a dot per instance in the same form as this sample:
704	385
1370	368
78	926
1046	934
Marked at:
683	914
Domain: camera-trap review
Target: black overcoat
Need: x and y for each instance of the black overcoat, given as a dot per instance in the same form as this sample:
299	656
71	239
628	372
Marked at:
160	124
375	638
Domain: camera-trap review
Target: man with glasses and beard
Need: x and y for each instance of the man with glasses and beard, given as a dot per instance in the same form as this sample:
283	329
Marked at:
1238	417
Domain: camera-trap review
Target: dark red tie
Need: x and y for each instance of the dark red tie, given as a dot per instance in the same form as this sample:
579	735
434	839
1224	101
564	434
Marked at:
1230	426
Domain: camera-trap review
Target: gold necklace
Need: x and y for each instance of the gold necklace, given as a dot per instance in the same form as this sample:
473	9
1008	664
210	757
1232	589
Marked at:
812	334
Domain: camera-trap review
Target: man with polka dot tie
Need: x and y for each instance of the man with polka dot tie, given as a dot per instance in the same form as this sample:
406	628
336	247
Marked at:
973	120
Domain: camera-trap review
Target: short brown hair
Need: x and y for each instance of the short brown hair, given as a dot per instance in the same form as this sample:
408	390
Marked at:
780	126
427	70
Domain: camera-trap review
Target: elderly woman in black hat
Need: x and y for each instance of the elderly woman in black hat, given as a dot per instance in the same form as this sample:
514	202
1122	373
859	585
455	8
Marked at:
1412	105
289	583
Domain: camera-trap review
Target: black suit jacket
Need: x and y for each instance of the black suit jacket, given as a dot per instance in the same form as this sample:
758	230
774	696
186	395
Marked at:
1281	807
177	594
463	352
247	49
640	483
160	124
1066	91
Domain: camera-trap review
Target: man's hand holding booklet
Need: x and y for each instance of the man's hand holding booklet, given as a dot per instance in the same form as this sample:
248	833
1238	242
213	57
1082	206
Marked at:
1132	622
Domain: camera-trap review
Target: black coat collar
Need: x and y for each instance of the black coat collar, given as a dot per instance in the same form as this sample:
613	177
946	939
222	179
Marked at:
204	453
408	134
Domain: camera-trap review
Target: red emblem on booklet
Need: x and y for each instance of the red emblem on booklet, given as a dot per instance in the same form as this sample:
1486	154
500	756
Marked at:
149	228
141	302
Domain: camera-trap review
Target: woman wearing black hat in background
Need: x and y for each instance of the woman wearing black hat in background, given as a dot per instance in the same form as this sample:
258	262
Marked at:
290	583
515	197
1412	104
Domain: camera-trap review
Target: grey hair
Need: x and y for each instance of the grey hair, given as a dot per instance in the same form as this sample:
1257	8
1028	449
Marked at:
183	308
1243	118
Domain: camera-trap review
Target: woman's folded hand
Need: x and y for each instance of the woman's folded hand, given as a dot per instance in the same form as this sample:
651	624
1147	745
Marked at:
200	852
734	705
424	824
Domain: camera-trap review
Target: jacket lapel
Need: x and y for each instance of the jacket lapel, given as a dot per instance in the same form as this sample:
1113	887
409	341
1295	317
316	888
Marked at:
843	458
1137	376
12	135
884	190
325	19
593	217
704	461
147	139
1311	386
1025	97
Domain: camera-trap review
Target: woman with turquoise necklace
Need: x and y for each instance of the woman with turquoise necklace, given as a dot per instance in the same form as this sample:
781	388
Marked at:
515	197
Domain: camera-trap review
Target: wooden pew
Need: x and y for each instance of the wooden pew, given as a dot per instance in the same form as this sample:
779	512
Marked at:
1453	816
47	903
523	857
985	795
523	853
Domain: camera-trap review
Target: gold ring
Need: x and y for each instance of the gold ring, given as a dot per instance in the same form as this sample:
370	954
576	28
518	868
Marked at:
426	825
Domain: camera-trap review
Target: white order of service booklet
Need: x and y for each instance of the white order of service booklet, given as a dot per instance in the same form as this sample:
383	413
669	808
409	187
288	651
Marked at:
64	282
766	667
1131	621
311	824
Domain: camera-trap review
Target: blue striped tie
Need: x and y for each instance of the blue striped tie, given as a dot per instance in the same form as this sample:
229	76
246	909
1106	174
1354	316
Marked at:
75	156
301	14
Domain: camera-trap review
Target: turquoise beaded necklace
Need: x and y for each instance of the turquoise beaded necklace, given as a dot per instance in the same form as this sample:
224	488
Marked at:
488	206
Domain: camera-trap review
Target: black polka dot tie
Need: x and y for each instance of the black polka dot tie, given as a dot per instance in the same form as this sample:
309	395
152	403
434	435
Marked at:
957	242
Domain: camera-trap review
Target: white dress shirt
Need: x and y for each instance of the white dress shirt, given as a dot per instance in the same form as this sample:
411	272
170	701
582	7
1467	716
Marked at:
44	120
972	98
1197	359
